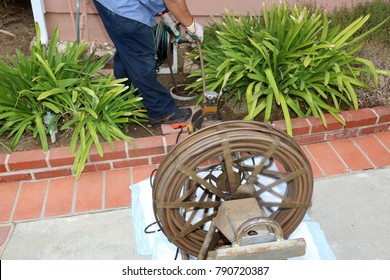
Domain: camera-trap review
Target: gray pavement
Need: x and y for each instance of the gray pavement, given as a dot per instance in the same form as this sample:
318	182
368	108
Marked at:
105	235
354	213
352	210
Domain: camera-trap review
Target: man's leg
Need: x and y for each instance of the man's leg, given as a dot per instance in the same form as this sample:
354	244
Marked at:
134	43
120	71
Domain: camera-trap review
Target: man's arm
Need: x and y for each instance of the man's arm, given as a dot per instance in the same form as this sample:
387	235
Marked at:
179	9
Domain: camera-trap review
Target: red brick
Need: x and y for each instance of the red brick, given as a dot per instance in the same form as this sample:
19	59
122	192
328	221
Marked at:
383	112
53	173
60	197
2	162
384	137
158	159
280	124
4	232
142	173
351	155
61	157
27	160
172	140
318	126
147	146
373	129
8	193
118	152
327	159
374	150
317	173
95	167
12	177
342	134
130	162
310	139
89	192
117	188
30	201
300	126
361	117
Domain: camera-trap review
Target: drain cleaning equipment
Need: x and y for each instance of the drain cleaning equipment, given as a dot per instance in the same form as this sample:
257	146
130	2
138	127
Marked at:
166	46
233	189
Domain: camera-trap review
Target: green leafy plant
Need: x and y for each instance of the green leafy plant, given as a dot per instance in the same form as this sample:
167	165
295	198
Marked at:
289	58
68	86
378	10
19	111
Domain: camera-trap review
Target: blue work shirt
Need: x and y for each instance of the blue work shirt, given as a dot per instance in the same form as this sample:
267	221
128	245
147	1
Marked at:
142	11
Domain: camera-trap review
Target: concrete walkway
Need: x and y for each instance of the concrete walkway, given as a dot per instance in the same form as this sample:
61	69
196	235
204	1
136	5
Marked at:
352	210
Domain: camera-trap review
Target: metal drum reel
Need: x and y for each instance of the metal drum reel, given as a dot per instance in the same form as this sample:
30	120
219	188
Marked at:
230	161
233	190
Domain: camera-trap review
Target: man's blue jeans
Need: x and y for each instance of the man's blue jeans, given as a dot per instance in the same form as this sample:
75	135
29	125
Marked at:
135	59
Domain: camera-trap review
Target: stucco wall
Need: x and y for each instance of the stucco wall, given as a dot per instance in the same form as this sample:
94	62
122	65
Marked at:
62	13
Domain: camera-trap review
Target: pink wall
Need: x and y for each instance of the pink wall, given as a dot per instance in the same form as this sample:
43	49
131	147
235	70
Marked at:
207	7
91	29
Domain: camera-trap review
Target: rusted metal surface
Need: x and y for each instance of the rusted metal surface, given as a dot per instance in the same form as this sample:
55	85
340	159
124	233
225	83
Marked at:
230	161
278	250
252	235
237	218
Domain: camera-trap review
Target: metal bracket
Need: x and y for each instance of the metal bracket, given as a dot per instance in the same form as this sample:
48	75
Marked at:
252	235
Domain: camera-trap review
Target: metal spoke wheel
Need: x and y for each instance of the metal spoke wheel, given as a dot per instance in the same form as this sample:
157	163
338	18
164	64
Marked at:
226	161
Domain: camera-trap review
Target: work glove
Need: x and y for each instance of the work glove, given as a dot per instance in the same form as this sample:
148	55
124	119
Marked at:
194	31
170	21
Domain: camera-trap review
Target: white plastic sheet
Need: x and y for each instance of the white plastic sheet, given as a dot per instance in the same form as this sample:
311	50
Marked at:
158	246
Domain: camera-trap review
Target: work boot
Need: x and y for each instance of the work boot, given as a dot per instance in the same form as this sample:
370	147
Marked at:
179	116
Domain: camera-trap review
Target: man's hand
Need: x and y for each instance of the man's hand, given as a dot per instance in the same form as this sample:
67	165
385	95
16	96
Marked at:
170	21
194	31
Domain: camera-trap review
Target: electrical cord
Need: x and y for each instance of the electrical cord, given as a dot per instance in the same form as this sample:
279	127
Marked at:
177	253
178	135
146	230
151	176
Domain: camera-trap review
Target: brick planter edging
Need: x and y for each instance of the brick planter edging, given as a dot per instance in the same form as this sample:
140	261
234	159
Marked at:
358	123
58	162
